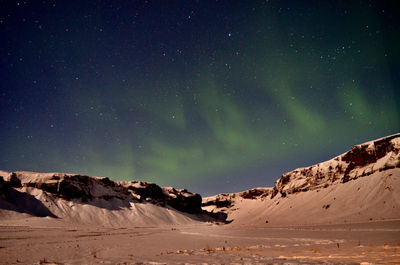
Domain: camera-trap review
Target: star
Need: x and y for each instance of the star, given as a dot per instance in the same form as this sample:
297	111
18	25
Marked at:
187	94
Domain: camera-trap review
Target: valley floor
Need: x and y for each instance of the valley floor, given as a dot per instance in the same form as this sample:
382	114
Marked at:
49	241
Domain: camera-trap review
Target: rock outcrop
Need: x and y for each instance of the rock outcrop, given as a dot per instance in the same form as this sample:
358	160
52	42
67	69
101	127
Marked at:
357	186
362	160
226	200
84	188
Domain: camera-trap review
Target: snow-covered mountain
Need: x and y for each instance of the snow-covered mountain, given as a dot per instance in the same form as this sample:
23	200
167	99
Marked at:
362	184
84	199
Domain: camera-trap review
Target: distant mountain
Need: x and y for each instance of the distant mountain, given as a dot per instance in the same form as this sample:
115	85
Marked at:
84	199
362	184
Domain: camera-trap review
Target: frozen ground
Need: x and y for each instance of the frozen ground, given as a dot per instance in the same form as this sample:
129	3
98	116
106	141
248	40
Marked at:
30	241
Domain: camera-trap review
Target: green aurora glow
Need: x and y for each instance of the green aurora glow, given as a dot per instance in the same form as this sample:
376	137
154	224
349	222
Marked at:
274	89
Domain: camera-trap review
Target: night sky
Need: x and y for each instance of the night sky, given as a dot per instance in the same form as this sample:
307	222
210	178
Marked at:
213	96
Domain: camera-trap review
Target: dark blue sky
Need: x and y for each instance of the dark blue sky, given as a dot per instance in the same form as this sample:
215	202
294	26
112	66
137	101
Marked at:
213	96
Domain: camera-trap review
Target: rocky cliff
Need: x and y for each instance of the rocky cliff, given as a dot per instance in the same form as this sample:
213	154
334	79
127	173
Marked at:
83	189
226	200
362	160
368	176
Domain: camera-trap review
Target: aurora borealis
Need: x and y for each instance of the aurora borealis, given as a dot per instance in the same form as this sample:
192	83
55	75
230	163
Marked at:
213	96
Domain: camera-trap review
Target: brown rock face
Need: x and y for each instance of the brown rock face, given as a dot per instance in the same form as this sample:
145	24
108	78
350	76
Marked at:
183	200
9	180
85	188
67	187
147	191
2	184
255	193
362	160
218	203
226	200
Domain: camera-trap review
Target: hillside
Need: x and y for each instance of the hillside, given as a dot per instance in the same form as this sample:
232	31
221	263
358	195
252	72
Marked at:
82	199
360	185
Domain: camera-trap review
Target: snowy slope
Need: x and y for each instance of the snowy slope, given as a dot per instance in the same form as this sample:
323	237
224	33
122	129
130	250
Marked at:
362	160
360	185
82	199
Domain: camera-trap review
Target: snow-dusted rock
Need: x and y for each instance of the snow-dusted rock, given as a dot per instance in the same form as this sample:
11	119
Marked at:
81	188
362	160
360	185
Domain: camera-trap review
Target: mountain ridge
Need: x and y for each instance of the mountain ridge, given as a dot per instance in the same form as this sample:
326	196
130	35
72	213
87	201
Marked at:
355	163
99	200
323	186
75	186
368	176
